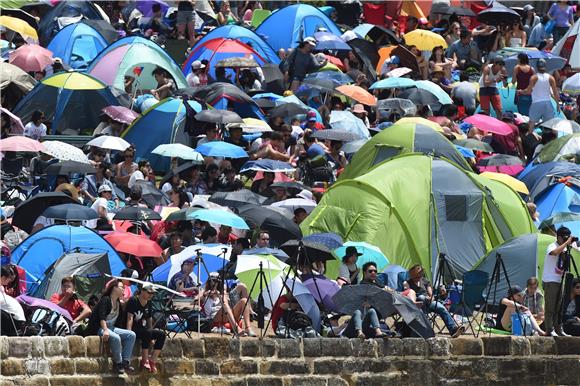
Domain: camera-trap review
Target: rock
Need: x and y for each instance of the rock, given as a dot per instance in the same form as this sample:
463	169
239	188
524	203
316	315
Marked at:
415	347
178	366
11	367
206	367
439	347
283	367
464	346
86	366
520	346
540	345
217	346
496	345
233	367
76	346
289	348
334	347
55	346
364	348
37	366
567	345
94	346
172	348
18	347
62	366
193	348
312	347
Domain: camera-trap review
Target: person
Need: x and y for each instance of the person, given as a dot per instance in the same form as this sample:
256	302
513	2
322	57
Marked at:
12	315
197	77
92	182
301	62
69	300
101	204
510	143
211	134
229	181
464	51
141	174
348	271
186	18
182	280
516	36
438	59
534	214
165	85
175	246
103	323
488	91
196	184
140	321
539	36
572	310
262	186
424	292
179	198
300	215
452	34
125	169
563	14
521	78
35	129
263	240
542	88
534	300
209	235
509	305
554	263
530	19
225	16
225	235
466	92
11	281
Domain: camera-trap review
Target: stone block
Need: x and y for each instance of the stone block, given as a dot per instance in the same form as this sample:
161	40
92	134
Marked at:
217	346
391	347
268	347
566	371
334	347
228	382
541	345
520	346
83	381
376	379
76	346
312	347
263	381
34	381
94	345
55	346
19	347
178	366
236	366
86	366
289	348
336	381
284	367
62	366
206	367
11	367
415	347
37	366
365	348
4	344
439	347
250	347
464	346
567	345
172	349
235	348
327	366
304	381
193	348
37	346
496	345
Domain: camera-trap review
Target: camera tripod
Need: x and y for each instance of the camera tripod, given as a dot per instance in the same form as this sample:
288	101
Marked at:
564	285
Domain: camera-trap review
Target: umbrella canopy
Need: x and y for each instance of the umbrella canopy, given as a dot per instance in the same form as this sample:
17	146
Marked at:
109	142
296	185
19	26
64	168
553	62
369	253
136	213
133	244
311	251
405	106
267	165
424	40
14	82
323	291
295	203
347	121
219	217
449	10
36	302
70	212
563	125
20	14
31	58
398	72
392	83
559	218
571	86
238	62
219	90
500	160
237	198
474	144
498	14
338	78
253	125
120	114
178	150
280	227
288	110
487	123
359	94
440	94
64	152
335	135
278	253
221	149
218	116
328	41
418	96
248	266
510	181
20	143
151	195
28	211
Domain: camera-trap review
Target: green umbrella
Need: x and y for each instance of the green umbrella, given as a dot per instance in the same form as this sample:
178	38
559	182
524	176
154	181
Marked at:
559	218
474	144
248	268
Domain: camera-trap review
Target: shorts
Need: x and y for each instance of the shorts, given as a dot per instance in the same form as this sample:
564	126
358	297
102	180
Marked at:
184	17
541	110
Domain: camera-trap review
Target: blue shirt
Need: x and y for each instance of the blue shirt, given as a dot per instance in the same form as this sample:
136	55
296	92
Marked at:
537	35
463	52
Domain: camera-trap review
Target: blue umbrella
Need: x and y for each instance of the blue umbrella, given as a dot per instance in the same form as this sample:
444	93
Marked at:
347	121
221	149
553	62
267	165
436	90
465	152
328	41
219	217
335	76
369	253
393	83
329	240
209	252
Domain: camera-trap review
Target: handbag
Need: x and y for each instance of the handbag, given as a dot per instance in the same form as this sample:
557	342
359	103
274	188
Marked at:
549	28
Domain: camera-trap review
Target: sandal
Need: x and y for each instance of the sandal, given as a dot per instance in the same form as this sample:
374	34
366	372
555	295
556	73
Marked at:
250	333
153	367
145	365
361	335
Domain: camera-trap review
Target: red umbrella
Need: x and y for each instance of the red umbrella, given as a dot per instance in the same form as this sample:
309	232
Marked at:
121	114
487	123
20	143
31	57
336	61
133	244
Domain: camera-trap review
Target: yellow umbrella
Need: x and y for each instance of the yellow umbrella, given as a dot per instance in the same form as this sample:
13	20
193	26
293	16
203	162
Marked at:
424	40
513	183
74	81
434	125
19	26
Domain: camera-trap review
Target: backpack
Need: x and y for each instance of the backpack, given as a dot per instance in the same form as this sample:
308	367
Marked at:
318	170
46	322
298	320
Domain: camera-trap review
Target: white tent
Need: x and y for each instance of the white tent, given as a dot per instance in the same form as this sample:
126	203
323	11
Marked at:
569	46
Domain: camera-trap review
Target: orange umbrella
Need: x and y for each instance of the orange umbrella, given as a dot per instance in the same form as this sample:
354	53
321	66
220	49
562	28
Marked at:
31	57
384	54
357	93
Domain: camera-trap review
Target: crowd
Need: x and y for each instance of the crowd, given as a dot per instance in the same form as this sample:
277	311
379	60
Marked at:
267	150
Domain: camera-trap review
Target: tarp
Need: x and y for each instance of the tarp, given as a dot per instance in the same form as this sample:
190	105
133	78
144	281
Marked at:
287	27
77	45
41	249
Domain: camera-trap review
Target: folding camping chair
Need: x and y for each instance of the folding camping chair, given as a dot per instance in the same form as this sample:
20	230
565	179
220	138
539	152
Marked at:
170	315
471	297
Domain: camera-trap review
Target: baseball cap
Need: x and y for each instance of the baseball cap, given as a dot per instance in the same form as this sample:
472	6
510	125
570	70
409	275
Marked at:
541	63
104	188
394	60
528	7
310	40
149	288
197	65
57	60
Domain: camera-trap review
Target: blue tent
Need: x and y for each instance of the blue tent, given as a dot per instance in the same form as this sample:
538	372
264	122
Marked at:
560	198
538	177
162	123
77	44
41	249
128	40
244	35
302	20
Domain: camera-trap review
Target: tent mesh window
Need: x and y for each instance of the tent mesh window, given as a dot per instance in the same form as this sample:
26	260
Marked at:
385	152
456	207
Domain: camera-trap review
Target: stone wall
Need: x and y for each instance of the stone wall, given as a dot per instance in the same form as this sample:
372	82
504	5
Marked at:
333	362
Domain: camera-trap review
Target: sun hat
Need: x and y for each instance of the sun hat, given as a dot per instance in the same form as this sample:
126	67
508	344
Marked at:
359	109
350	251
197	65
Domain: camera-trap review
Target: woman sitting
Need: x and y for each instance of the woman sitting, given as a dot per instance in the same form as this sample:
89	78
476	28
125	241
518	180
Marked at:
572	311
508	307
348	271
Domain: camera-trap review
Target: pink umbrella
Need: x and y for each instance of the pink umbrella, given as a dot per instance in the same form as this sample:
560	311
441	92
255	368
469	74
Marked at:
20	143
398	72
16	126
511	170
487	123
121	114
31	57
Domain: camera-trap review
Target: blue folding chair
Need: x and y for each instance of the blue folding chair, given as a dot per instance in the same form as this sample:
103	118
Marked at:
472	297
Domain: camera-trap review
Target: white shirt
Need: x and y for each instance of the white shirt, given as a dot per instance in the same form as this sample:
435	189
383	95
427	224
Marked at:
550	262
193	80
136	176
542	90
35	132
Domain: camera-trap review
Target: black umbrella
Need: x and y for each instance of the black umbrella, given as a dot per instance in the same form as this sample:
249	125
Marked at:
237	198
500	160
136	213
408	59
288	110
325	85
68	167
218	116
273	78
311	251
335	135
498	14
215	91
419	96
367	53
28	211
182	170
151	195
70	212
459	11
278	253
290	185
182	214
265	103
105	29
280	227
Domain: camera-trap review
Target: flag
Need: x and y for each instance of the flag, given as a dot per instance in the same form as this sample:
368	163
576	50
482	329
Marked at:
137	70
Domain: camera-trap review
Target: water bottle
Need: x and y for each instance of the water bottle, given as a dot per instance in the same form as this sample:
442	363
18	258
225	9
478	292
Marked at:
516	325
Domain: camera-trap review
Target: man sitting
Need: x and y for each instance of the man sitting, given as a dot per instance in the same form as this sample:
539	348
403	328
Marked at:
69	300
182	280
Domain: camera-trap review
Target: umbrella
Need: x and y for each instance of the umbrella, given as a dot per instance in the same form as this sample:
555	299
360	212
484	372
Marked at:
474	144
31	57
335	135
288	110
566	126
221	149
338	78
14	82
294	203
20	143
424	40
571	86
151	195
219	217
323	290
290	185
491	124
324	85
398	72
440	94
359	94
267	165
28	211
64	152
328	239
36	302
253	125
347	121
311	251
20	14
553	62
265	103
559	218
69	167
238	62
19	26
133	244
500	160
369	253
419	96
248	267
70	212
465	152
181	214
136	213
181	170
120	114
404	105
237	198
278	253
498	14
280	227
510	181
392	83
459	11
177	150
109	142
354	146
329	41
218	116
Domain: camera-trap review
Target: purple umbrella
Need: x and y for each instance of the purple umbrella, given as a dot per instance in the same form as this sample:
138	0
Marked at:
35	302
145	6
325	289
121	114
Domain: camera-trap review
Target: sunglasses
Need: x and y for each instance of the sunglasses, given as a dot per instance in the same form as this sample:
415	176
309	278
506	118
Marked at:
577	287
372	271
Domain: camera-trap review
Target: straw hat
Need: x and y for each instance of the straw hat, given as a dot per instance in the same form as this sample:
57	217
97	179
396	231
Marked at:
69	187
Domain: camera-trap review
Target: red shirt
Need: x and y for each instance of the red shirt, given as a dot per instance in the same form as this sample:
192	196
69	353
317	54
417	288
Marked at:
74	307
374	13
277	312
229	240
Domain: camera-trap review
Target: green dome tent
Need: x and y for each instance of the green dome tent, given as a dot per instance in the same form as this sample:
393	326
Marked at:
561	148
414	207
400	138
